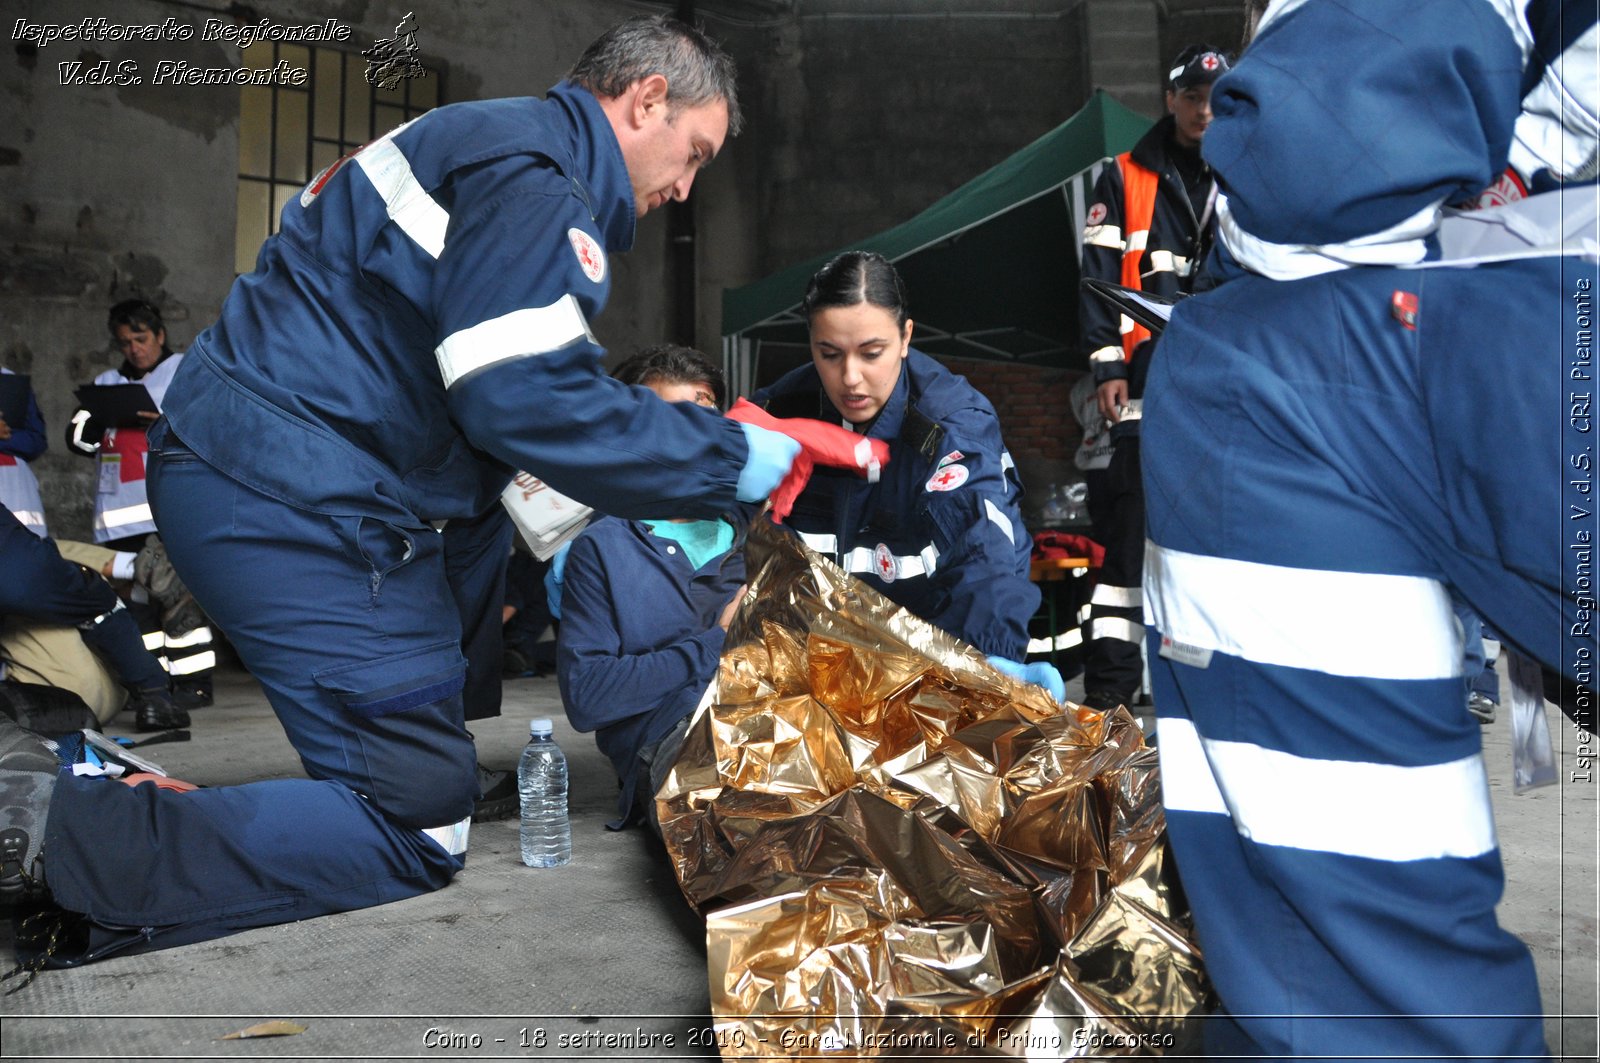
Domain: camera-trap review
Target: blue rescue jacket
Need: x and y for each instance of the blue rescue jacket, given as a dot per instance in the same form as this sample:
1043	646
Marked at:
639	638
418	329
941	533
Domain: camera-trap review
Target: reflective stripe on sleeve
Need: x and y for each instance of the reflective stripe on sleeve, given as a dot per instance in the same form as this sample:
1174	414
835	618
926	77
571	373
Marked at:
820	542
1338	623
1167	262
1350	808
154	641
407	203
1001	521
519	334
1104	236
864	559
1107	354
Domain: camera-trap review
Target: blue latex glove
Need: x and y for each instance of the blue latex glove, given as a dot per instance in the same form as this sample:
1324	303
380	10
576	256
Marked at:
553	577
771	455
1039	673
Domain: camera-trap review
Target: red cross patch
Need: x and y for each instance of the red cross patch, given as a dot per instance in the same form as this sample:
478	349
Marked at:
590	257
1403	308
1097	214
884	563
1508	189
319	182
947	478
1210	61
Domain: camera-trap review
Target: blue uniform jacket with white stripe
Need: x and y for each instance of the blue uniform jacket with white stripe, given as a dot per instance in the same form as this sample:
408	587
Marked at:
941	533
418	329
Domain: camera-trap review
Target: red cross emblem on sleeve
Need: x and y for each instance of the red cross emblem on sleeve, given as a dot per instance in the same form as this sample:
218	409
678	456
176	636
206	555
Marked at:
591	259
948	478
885	563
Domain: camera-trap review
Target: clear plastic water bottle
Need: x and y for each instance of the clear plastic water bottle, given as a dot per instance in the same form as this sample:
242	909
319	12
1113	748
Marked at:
542	786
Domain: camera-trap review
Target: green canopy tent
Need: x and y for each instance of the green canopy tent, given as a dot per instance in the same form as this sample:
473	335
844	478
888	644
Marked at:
992	268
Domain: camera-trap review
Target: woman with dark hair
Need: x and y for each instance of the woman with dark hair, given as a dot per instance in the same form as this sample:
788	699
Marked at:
175	629
122	515
941	532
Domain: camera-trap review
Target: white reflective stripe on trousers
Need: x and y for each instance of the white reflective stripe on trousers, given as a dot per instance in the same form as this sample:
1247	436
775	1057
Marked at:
1339	623
1116	627
1351	808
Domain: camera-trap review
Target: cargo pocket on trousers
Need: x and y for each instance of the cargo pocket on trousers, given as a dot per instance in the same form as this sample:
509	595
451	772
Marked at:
399	683
408	753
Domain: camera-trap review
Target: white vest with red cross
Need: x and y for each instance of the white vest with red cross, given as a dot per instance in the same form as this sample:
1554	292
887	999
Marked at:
120	505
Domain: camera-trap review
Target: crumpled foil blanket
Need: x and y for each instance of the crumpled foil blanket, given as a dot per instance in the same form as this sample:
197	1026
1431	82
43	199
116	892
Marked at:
900	851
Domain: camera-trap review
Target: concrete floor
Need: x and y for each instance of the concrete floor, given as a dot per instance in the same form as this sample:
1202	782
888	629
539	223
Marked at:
601	948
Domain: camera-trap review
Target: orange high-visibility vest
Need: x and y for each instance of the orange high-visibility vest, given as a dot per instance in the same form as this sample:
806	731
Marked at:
1139	185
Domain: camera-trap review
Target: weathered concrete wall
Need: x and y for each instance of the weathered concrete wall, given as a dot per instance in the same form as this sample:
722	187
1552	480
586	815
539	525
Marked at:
867	113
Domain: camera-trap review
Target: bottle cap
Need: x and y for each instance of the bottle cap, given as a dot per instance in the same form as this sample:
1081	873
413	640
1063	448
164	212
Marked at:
540	726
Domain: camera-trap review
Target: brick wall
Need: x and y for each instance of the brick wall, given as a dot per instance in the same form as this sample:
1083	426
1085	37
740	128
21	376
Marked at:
1036	423
1035	417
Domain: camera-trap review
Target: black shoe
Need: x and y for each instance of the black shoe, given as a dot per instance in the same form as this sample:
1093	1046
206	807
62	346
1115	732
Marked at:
514	664
1105	700
191	697
497	795
28	770
157	711
1481	706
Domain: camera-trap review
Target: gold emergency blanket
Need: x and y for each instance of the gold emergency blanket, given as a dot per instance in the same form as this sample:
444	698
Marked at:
900	851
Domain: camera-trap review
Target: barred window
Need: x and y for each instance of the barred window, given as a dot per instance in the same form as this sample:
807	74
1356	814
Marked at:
288	133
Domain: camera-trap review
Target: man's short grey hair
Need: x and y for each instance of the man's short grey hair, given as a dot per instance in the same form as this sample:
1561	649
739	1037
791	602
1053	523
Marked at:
697	70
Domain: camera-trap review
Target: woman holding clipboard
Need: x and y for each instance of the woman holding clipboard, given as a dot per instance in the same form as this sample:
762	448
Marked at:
122	515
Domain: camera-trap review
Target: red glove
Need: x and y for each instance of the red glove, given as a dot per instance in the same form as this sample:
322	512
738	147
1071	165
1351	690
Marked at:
820	443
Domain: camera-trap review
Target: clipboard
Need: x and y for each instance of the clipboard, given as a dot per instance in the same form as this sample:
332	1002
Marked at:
14	391
116	405
1151	311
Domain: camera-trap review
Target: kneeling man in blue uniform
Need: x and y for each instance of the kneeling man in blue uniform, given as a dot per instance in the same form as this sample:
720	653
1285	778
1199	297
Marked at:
416	332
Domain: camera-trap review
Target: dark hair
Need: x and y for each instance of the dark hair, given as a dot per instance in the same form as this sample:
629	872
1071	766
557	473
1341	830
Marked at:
672	364
697	70
857	277
135	314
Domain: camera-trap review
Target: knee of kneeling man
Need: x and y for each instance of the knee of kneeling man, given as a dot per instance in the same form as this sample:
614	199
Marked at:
438	795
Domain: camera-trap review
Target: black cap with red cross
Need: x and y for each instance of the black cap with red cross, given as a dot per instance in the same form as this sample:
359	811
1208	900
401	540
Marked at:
1198	64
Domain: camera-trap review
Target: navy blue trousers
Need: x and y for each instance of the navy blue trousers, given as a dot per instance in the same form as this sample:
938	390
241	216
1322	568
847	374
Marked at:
1322	478
353	628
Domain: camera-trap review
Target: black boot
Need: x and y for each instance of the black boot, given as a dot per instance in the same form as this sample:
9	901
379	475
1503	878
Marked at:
28	770
155	710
